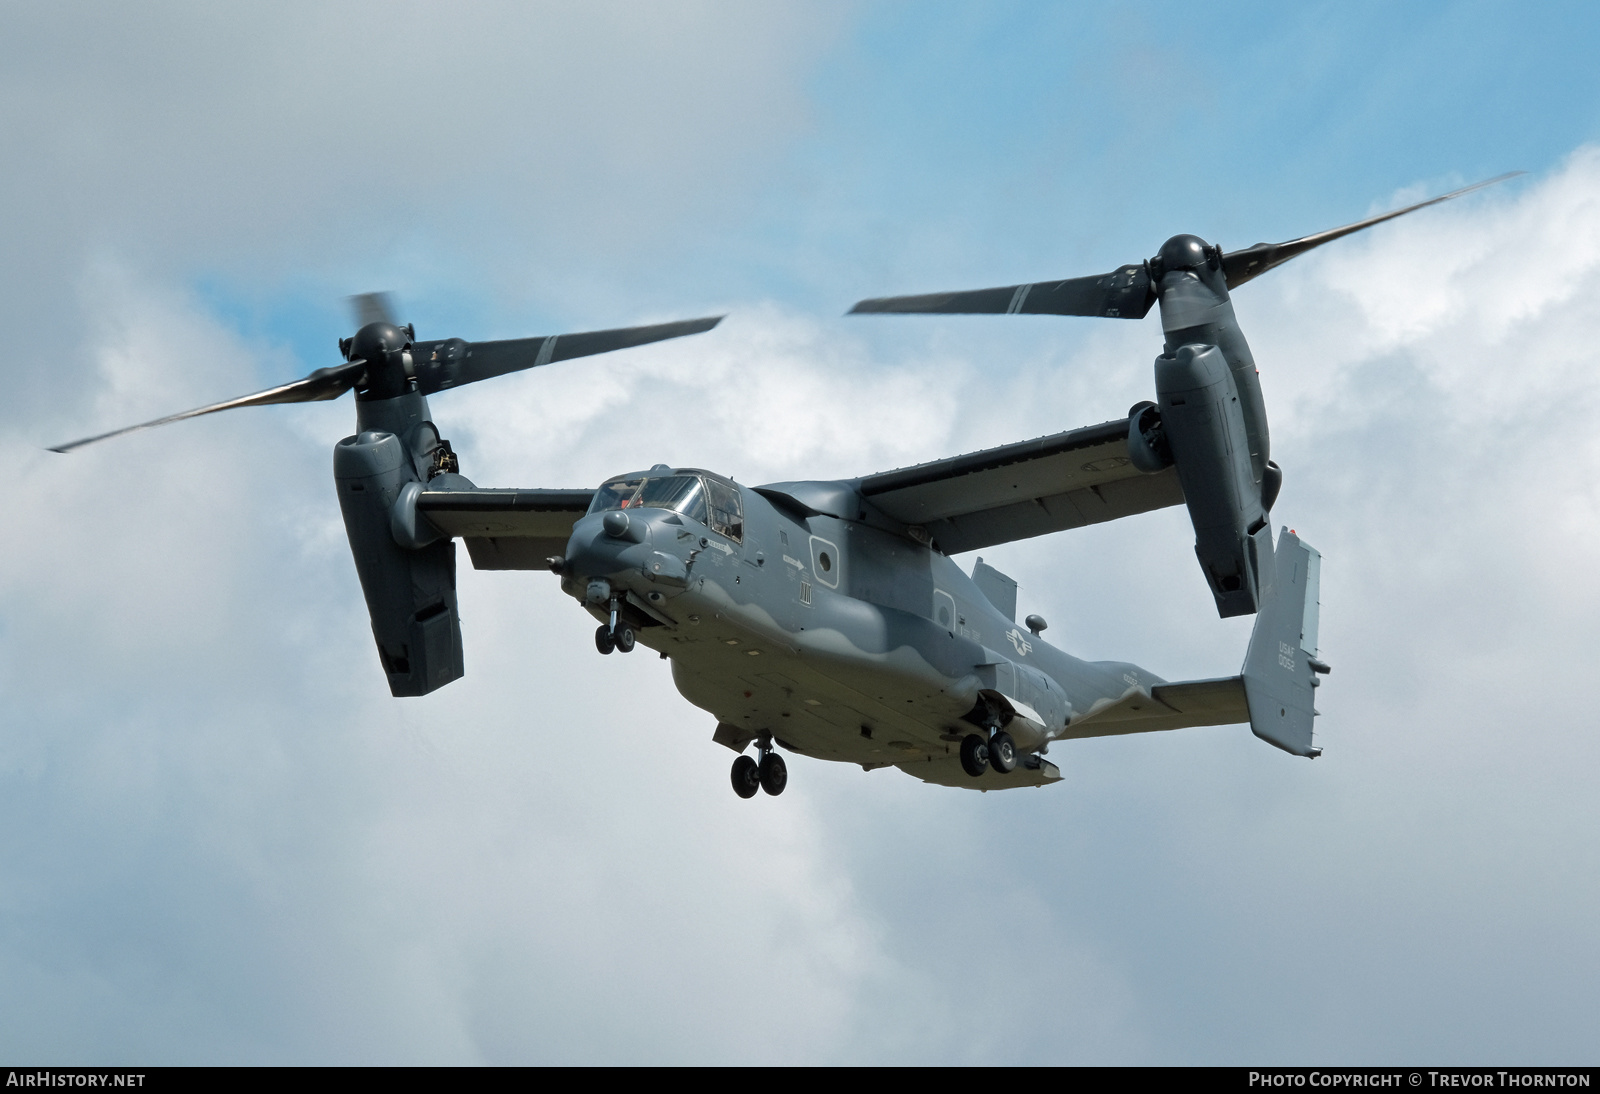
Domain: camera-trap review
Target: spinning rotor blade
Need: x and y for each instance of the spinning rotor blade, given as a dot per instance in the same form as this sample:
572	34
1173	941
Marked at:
1241	266
374	307
384	361
452	362
1125	293
325	383
1129	291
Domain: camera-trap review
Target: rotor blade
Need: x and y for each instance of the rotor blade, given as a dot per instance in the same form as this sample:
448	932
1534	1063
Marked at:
452	362
1122	294
325	383
1241	266
374	307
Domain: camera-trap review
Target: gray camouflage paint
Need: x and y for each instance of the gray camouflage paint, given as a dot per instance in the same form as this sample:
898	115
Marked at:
881	655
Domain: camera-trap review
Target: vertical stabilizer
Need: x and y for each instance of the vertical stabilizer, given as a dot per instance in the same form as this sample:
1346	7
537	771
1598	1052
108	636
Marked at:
1281	668
997	588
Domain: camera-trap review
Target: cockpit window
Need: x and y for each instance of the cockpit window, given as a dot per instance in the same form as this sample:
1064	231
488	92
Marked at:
684	494
727	511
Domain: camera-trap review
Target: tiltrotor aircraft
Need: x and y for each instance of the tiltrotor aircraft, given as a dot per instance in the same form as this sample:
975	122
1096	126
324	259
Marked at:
829	618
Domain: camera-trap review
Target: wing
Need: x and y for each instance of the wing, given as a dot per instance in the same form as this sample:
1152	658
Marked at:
1021	490
507	529
1166	706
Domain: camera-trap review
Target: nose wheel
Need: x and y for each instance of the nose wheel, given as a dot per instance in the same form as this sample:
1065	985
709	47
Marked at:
746	777
616	635
774	773
770	774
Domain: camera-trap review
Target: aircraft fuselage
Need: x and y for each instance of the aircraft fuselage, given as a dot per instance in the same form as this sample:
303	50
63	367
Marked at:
838	638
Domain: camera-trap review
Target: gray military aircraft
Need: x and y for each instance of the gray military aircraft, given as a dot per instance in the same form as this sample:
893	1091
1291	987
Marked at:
828	618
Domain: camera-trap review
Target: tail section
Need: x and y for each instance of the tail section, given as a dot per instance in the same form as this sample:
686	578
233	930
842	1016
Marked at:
1281	668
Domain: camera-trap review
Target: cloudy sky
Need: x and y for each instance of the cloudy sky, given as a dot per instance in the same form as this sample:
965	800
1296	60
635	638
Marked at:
222	841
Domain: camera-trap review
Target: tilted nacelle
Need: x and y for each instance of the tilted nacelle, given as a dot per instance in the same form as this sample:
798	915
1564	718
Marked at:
1199	427
410	590
1210	422
1203	426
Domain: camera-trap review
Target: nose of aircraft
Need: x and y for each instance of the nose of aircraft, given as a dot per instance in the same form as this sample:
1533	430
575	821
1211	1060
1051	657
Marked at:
639	548
600	540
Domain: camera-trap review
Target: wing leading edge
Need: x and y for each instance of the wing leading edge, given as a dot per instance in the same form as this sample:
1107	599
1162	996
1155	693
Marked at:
507	529
1018	491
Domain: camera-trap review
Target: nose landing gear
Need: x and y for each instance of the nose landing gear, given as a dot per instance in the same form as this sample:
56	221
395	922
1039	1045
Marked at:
746	777
770	774
617	635
622	639
774	773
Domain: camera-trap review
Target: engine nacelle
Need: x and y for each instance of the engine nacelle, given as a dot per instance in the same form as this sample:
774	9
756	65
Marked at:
1148	449
411	593
1271	483
1203	424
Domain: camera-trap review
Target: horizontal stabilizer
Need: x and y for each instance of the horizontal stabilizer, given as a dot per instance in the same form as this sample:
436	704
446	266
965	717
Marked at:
1274	693
1166	706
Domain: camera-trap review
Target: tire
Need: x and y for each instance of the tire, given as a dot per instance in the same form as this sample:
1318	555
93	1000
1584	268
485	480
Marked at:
774	774
1003	753
624	638
974	755
746	777
602	639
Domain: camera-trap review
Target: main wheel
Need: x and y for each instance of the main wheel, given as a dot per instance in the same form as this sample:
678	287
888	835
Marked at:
974	755
603	640
746	777
1003	753
624	638
774	774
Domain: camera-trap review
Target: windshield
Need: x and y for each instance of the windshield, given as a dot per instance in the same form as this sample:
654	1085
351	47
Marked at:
684	494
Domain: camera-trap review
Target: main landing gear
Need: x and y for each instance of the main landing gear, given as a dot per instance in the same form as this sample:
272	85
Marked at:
617	635
998	752
770	774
